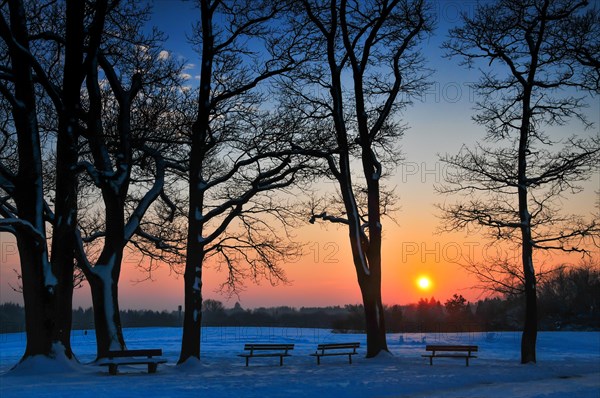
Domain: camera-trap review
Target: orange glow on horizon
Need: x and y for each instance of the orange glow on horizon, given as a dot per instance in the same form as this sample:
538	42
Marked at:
323	276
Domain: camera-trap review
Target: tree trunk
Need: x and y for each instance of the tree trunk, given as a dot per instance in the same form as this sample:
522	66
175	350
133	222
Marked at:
529	337
39	285
374	316
63	268
366	250
107	321
104	278
366	254
192	322
39	320
64	238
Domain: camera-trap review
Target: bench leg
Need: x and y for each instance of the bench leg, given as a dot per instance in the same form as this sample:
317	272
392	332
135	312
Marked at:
281	360
431	361
247	359
467	358
152	367
318	360
350	358
112	369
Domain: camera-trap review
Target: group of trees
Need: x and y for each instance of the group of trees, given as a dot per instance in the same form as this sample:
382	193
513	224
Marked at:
104	148
77	127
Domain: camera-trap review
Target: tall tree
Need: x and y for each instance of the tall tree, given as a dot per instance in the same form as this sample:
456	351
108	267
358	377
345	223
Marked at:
237	154
122	158
366	65
22	206
57	34
70	45
515	190
67	152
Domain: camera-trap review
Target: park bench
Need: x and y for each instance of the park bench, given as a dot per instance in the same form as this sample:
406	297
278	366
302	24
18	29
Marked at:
114	359
267	350
450	351
325	350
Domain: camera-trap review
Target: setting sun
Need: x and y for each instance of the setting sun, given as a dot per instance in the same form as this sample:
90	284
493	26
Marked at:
424	283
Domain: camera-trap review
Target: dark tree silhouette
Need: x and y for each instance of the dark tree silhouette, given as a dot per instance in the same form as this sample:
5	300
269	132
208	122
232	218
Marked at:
57	91
514	191
123	157
21	177
458	309
365	65
104	132
237	153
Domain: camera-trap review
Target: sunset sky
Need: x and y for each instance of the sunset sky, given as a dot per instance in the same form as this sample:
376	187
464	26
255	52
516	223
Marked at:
440	122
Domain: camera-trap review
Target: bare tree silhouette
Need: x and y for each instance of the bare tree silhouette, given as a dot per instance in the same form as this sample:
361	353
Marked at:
514	191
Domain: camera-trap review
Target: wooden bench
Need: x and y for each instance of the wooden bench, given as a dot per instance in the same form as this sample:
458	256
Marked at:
267	350
132	357
450	351
325	350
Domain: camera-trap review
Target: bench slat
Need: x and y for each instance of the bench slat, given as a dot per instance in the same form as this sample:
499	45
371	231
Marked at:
337	346
450	351
275	350
451	348
449	356
264	355
130	361
135	353
329	354
269	347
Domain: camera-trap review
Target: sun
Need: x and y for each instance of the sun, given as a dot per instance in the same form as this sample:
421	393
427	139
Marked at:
424	283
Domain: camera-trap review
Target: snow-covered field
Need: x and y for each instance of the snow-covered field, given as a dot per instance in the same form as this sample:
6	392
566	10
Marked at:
568	366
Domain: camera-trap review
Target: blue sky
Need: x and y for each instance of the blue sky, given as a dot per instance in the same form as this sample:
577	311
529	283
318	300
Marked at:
439	122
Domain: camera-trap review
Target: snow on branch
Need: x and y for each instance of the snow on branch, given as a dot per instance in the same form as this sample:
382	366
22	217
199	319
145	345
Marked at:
159	181
17	225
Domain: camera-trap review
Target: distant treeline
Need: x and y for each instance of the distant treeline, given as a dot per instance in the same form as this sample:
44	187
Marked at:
570	300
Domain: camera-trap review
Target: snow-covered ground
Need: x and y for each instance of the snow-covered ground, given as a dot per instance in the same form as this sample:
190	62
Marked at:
568	366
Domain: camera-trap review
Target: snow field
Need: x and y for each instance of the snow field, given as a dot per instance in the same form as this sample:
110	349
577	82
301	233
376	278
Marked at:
568	366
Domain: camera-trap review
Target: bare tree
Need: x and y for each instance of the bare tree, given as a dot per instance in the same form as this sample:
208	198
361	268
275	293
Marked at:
22	205
514	191
122	157
237	153
365	66
57	89
72	38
